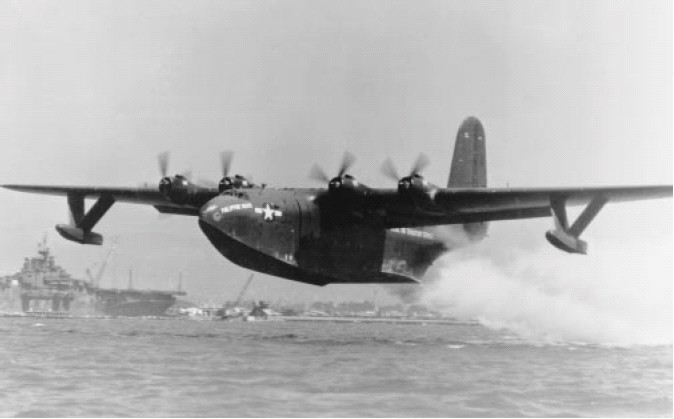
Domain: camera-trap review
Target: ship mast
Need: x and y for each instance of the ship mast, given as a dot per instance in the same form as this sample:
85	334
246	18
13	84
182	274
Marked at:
42	248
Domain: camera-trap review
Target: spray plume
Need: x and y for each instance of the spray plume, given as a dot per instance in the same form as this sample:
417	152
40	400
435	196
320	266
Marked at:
618	295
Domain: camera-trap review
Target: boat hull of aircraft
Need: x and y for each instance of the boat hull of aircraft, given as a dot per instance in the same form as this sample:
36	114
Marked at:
281	233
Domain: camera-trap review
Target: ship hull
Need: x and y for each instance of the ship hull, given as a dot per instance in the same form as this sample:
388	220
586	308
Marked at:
43	286
136	309
131	303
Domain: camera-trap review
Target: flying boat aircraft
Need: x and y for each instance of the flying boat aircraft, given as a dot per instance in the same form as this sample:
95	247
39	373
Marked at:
349	232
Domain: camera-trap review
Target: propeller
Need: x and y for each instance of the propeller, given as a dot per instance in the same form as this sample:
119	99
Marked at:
420	164
226	162
165	182
347	161
317	173
163	159
389	170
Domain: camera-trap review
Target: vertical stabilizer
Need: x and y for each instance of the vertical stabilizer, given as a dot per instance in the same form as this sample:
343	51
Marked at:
469	164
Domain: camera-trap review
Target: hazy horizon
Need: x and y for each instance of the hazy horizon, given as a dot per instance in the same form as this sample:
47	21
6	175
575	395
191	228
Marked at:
570	93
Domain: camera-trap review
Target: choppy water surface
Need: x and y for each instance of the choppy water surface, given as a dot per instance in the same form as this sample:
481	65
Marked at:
135	367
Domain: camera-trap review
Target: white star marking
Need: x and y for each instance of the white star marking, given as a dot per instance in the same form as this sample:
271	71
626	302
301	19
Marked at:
269	212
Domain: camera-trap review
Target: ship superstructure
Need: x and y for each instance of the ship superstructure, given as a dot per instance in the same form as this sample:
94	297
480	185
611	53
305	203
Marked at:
41	286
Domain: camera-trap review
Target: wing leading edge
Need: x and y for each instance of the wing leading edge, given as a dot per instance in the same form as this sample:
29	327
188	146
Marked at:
146	195
140	195
479	205
82	221
474	205
482	202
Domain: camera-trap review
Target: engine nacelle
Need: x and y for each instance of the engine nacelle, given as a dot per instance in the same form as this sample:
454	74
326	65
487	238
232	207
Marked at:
181	191
234	182
416	186
348	185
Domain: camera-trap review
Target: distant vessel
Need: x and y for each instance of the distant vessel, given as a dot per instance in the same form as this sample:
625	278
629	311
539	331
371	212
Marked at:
133	303
41	286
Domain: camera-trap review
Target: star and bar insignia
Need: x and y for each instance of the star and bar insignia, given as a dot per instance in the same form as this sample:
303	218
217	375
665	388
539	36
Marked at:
269	211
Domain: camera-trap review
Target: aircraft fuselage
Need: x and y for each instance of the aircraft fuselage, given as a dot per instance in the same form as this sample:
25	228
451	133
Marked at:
284	232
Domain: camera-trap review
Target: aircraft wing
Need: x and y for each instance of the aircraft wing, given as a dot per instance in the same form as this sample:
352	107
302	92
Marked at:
147	195
470	206
82	221
141	195
474	205
386	207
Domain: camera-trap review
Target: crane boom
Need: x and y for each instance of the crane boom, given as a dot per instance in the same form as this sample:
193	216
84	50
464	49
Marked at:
97	279
243	290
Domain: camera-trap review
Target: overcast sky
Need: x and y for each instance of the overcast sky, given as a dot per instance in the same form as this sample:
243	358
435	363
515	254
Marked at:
571	93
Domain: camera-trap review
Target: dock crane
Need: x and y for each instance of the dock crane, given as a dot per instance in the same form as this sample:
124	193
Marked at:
235	311
243	290
96	280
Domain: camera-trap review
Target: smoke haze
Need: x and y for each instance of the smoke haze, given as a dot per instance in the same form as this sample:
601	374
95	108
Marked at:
620	293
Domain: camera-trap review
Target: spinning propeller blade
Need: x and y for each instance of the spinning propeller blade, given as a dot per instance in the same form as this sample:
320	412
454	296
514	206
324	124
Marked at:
226	162
318	174
163	159
389	170
420	164
347	161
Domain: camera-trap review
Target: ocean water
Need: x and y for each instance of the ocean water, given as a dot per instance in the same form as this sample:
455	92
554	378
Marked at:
152	367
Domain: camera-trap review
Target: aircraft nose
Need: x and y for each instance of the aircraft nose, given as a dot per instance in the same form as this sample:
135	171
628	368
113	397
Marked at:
210	214
228	214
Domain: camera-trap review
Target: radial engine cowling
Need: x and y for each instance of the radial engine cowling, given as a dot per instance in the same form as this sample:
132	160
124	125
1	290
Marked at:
417	187
347	184
234	182
179	190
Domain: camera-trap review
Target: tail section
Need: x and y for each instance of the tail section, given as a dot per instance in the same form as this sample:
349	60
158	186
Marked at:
469	166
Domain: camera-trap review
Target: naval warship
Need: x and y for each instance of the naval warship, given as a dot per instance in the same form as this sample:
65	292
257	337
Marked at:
41	286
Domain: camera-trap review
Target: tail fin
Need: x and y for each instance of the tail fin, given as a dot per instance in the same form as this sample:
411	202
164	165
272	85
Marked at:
469	164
